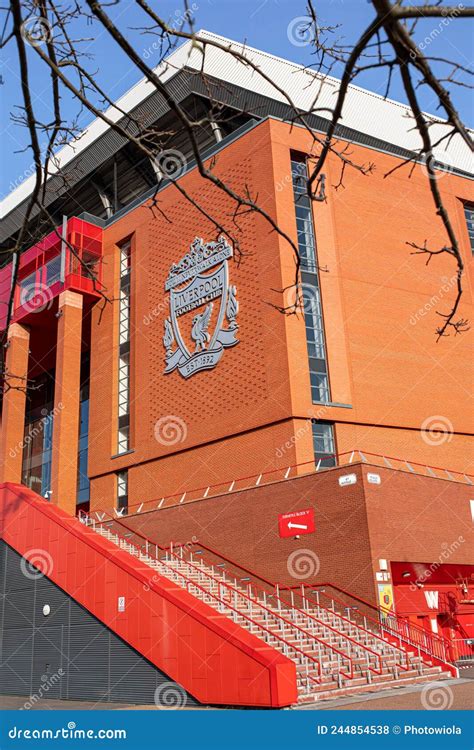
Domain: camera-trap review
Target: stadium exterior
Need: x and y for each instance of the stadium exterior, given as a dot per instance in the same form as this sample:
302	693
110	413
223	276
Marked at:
245	507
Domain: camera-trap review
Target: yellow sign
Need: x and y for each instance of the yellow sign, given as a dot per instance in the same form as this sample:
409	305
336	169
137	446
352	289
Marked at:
385	597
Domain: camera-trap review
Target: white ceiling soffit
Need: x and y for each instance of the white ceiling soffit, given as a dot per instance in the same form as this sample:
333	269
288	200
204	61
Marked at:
364	111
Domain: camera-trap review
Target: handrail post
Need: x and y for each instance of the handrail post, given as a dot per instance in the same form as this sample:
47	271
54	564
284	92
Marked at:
277	587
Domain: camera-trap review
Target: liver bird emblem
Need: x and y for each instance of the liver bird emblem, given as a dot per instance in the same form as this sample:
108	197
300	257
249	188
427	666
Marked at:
199	332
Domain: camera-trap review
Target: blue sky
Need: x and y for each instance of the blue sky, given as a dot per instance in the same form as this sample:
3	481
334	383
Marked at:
262	23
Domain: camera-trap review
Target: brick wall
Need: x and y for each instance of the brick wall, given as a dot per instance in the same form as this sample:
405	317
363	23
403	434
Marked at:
384	361
406	517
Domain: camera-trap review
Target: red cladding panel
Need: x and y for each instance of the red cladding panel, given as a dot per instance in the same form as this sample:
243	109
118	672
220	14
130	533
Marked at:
212	658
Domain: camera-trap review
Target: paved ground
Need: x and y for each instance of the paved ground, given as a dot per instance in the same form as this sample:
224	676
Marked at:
453	694
456	694
13	702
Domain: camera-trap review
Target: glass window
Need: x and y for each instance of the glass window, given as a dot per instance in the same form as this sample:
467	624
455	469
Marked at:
27	288
323	444
53	271
122	490
83	484
469	214
123	432
309	292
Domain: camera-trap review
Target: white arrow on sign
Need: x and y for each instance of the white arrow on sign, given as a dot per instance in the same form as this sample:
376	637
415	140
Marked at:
296	526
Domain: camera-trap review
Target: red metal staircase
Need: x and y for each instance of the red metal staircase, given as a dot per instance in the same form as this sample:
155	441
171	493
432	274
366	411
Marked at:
226	639
334	655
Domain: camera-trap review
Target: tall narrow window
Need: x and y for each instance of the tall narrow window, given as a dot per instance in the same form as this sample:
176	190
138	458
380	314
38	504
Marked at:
310	289
123	441
122	490
83	484
469	214
38	436
323	444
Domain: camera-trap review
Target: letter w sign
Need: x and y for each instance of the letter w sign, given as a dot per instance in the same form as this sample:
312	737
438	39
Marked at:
432	599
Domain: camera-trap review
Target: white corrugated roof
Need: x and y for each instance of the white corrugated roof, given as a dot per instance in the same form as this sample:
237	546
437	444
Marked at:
364	111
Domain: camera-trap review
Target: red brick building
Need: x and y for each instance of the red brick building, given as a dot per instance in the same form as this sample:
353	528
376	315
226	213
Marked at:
188	407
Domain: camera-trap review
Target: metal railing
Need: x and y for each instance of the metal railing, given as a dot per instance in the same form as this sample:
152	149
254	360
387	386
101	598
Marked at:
292	471
388	630
225	587
306	660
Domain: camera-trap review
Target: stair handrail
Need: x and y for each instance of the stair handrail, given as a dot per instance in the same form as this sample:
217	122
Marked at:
275	615
400	621
391	632
91	522
384	628
444	643
355	643
275	594
289	646
278	616
274	587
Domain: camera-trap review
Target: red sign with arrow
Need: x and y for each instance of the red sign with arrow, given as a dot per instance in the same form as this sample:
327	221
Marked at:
296	523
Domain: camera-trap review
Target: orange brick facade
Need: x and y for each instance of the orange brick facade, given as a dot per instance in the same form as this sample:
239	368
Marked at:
209	455
356	525
250	413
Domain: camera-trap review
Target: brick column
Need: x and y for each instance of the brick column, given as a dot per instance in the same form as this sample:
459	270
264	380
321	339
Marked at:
67	402
14	402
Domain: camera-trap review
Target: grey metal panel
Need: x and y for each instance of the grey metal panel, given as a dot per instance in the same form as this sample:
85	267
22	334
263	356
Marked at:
89	653
15	666
48	660
19	608
97	664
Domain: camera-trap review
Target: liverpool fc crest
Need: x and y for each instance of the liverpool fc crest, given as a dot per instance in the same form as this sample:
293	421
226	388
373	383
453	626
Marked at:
203	309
